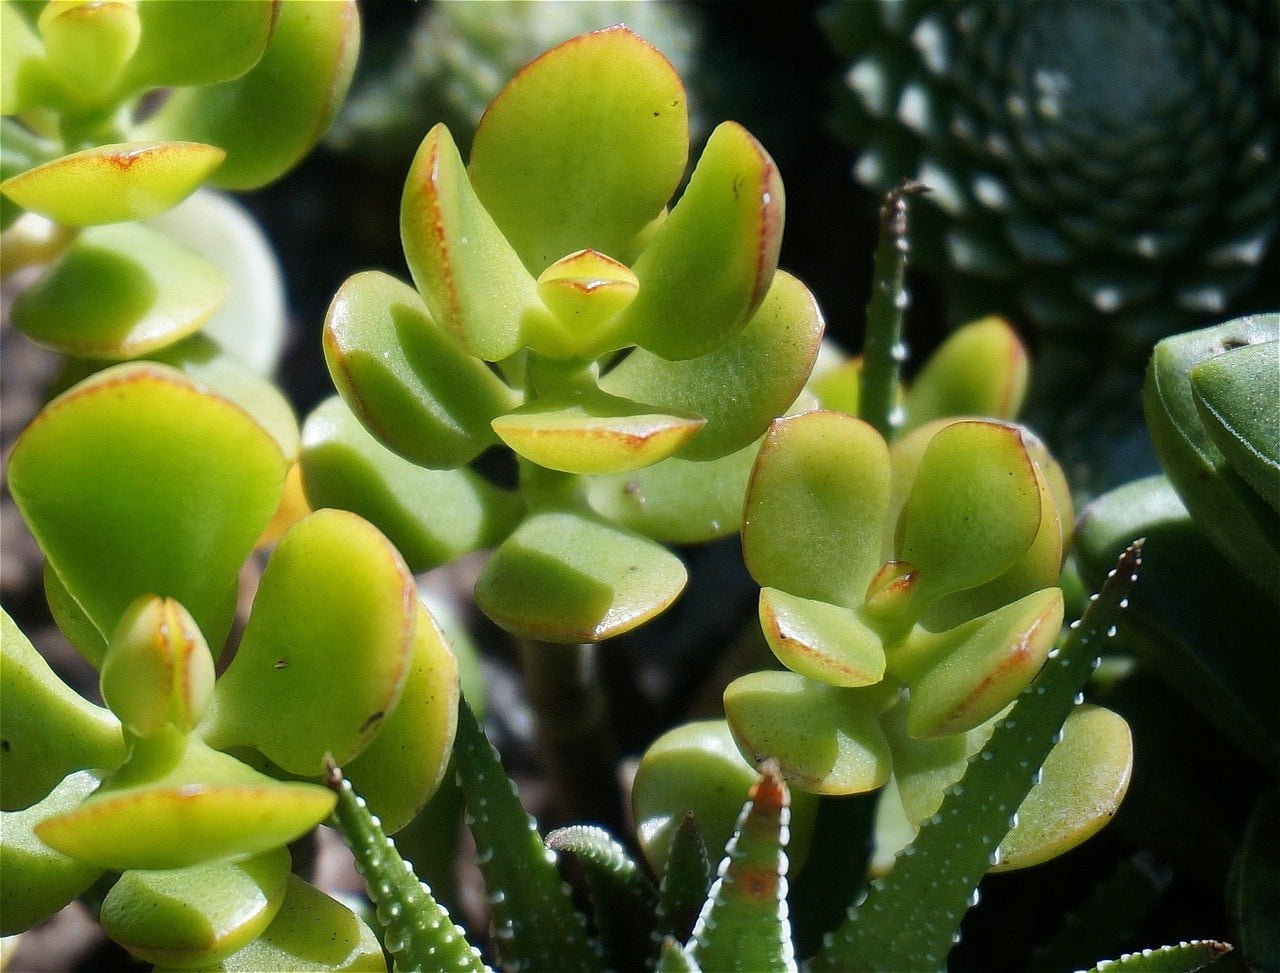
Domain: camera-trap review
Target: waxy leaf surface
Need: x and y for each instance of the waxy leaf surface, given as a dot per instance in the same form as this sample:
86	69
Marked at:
413	386
583	147
119	292
327	648
199	915
740	387
137	481
176	49
114	183
825	642
471	280
711	263
270	117
815	507
565	577
981	370
88	44
431	516
826	739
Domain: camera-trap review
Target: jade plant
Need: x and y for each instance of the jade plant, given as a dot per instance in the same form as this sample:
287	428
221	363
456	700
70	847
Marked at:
117	111
147	491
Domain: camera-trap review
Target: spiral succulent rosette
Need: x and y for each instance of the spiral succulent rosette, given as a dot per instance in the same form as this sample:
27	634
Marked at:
1094	166
629	357
147	490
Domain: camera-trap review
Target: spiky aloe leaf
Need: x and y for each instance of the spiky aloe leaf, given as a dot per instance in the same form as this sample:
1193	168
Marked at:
684	884
1181	958
418	931
909	917
744	924
537	926
622	894
673	959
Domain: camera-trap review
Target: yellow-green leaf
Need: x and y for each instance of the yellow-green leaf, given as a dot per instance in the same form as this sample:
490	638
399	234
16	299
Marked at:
825	642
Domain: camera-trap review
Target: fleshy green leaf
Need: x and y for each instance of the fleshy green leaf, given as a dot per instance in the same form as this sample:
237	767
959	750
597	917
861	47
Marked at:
310	932
432	516
591	432
583	291
119	292
827	740
199	915
71	620
412	386
1255	891
537	927
176	49
39	881
24	71
981	370
406	762
114	183
673	959
419	932
108	474
583	147
175	802
909	917
973	510
744	924
88	44
824	642
740	387
1182	958
685	882
1236	394
566	577
49	730
709	266
269	118
333	620
815	507
471	280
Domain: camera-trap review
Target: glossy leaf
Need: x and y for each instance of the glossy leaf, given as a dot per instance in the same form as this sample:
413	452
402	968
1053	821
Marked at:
199	915
982	665
583	290
980	370
536	925
583	147
132	451
696	768
39	881
827	740
815	507
471	280
269	118
72	622
744	924
419	932
399	772
50	731
412	386
685	882
175	802
1239	523
973	510
824	642
565	577
119	292
175	49
917	908
310	932
677	501
327	648
88	44
114	183
1181	958
709	266
1236	394
740	387
593	433
431	516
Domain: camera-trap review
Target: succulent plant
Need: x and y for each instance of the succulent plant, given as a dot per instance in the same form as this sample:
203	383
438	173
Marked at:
1093	166
114	112
627	359
459	55
147	491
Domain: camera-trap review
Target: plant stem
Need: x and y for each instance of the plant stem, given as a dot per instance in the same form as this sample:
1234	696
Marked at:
883	351
572	729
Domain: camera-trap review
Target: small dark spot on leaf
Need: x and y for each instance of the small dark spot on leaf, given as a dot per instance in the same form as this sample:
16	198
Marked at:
6	746
656	114
372	720
737	186
1230	344
281	663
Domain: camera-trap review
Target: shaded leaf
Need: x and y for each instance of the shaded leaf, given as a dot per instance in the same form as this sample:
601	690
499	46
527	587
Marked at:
1182	958
824	642
175	48
685	882
1255	895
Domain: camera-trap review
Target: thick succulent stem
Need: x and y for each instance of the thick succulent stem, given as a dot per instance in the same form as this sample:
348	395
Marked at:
883	351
